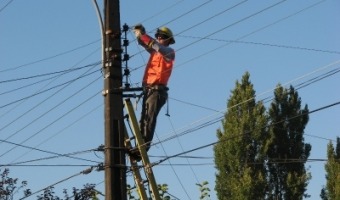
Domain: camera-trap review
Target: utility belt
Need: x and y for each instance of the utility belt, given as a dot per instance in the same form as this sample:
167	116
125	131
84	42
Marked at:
158	87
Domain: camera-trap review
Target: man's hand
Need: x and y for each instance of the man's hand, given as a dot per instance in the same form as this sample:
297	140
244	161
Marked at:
138	30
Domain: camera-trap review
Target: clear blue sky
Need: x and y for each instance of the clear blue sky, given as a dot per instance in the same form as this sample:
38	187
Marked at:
292	42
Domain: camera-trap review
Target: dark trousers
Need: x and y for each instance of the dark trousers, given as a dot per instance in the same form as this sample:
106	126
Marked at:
153	101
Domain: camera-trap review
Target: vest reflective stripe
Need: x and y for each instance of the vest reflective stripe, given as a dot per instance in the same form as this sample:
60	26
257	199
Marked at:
158	70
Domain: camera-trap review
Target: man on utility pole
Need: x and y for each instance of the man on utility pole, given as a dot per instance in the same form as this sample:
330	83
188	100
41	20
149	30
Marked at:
114	165
156	77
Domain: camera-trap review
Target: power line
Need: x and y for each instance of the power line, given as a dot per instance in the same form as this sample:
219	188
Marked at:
46	90
44	151
50	57
162	11
86	171
232	137
186	13
174	171
7	4
35	134
217	119
263	44
48	74
180	144
235	23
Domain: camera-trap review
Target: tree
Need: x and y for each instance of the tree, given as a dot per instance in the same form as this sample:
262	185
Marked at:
8	186
88	192
287	152
332	167
204	190
239	154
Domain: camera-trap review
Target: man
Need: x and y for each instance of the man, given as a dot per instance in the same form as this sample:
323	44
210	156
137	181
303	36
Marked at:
156	76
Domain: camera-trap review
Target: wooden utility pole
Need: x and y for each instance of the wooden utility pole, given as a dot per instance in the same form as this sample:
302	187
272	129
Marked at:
115	171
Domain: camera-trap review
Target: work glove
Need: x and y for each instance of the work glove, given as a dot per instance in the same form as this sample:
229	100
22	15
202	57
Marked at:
138	30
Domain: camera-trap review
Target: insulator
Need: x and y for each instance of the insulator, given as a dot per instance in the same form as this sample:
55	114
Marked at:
125	43
125	27
126	72
126	57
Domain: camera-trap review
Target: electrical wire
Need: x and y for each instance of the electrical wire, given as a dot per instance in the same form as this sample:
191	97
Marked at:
55	134
49	58
219	118
86	171
65	85
46	90
239	135
202	22
180	144
307	49
235	23
239	38
47	74
188	12
162	11
35	134
7	4
174	171
44	151
263	44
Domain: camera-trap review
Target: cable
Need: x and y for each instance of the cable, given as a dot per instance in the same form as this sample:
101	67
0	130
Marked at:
217	119
174	171
195	105
186	13
235	23
52	157
251	33
231	137
86	171
47	74
35	134
263	44
180	144
7	4
162	11
44	151
54	79
200	23
41	92
55	134
48	58
68	83
238	39
213	33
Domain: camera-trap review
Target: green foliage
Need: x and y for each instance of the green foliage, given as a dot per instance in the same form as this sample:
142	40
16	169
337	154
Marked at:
239	155
88	192
287	179
9	187
204	190
48	194
163	191
332	167
255	151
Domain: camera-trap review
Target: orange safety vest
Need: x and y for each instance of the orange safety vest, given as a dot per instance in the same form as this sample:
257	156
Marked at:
158	70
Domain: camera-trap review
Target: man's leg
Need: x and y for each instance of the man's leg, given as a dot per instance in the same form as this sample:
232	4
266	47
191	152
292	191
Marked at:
153	104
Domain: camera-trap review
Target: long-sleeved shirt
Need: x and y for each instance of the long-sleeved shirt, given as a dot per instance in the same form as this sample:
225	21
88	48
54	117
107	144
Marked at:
161	61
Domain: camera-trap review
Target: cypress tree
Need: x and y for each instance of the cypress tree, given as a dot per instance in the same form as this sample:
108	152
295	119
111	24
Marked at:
332	167
239	157
287	151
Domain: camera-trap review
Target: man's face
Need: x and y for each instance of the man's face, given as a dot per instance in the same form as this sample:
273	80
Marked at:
163	39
